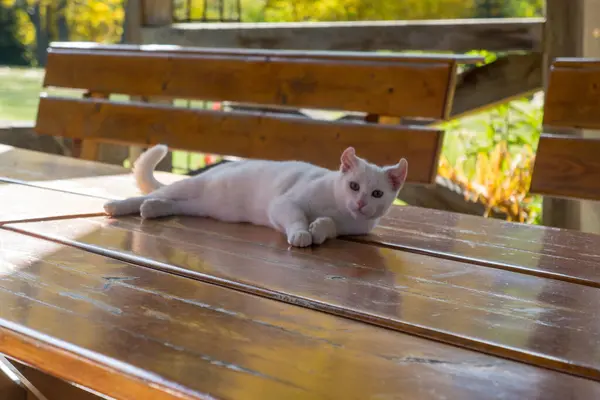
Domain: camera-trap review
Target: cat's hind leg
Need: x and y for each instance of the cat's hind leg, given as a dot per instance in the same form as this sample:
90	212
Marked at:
124	207
292	220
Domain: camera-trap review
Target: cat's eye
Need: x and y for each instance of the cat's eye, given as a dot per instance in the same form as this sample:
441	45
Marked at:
377	193
354	186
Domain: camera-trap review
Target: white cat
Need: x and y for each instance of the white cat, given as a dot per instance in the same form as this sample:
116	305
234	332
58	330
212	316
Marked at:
309	204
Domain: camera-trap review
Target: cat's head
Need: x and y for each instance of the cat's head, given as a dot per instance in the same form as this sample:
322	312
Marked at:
367	190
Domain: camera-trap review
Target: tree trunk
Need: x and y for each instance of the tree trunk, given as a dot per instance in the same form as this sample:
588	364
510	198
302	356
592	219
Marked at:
41	34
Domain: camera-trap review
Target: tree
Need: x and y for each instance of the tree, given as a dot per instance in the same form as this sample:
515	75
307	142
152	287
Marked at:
12	50
357	10
44	21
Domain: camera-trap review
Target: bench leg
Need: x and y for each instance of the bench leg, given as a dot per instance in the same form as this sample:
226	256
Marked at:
11	390
41	386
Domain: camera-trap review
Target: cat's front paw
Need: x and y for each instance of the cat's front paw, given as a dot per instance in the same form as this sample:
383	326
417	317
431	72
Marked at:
300	239
321	229
116	208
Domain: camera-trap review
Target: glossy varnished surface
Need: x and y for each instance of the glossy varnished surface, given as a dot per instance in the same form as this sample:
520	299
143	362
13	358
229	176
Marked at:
549	252
133	332
22	202
541	321
70	174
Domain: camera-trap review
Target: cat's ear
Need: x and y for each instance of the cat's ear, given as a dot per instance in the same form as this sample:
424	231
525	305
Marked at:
397	174
349	159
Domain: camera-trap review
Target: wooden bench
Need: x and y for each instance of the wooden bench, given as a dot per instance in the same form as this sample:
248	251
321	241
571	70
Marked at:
380	85
568	165
166	309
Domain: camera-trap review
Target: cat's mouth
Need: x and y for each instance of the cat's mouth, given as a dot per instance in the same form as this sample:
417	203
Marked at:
360	214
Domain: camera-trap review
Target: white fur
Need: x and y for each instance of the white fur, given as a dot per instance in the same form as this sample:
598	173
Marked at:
308	203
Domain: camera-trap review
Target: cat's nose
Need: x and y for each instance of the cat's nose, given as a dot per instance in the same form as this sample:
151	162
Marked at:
360	204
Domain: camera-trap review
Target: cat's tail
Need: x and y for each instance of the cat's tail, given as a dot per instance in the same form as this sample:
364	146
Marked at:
143	168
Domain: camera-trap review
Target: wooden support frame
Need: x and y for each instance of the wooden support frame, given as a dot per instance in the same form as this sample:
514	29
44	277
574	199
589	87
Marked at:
459	35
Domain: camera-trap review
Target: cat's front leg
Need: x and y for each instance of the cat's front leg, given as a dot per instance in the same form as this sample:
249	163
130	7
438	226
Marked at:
124	207
289	218
321	229
156	207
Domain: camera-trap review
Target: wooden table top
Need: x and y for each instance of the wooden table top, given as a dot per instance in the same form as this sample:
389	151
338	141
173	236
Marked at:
431	305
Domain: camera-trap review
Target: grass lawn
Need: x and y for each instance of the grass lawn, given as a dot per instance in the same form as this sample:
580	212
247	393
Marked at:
19	92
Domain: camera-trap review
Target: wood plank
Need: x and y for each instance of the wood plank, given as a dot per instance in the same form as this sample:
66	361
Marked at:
132	332
544	322
389	88
573	97
456	35
23	202
551	253
280	53
70	174
567	166
242	134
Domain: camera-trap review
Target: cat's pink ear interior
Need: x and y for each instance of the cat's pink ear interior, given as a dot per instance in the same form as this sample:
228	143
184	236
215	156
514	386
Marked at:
397	174
349	159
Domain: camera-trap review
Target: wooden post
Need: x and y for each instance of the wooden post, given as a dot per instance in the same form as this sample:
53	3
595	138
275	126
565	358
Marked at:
562	38
590	47
157	12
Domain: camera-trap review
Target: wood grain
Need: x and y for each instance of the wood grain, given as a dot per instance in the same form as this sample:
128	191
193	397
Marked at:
136	333
242	134
551	253
70	174
545	322
567	166
573	96
278	53
389	88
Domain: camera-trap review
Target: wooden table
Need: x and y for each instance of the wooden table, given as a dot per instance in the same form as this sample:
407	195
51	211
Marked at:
432	305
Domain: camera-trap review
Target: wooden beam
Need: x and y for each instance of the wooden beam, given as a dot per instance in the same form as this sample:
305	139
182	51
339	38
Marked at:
507	78
458	35
9	389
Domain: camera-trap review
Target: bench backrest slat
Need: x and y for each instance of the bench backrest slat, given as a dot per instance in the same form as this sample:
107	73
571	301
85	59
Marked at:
568	165
398	88
244	135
